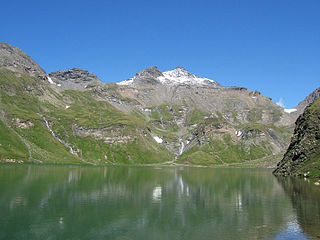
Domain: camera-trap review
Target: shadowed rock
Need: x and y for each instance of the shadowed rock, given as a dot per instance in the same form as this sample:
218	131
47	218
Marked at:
75	79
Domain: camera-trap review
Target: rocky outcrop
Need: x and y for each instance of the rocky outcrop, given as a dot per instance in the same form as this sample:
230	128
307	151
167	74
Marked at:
75	79
303	155
113	134
18	61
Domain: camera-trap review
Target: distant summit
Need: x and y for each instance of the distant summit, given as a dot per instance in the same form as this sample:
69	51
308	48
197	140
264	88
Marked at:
179	75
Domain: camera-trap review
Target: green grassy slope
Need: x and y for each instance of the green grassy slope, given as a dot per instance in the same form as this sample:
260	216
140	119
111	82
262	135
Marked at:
219	144
11	145
24	99
215	141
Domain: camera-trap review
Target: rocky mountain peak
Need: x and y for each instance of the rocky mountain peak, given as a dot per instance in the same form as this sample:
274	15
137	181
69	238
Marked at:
178	72
16	60
152	72
147	76
75	78
179	75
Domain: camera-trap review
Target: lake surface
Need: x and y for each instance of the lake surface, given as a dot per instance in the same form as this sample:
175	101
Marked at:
73	202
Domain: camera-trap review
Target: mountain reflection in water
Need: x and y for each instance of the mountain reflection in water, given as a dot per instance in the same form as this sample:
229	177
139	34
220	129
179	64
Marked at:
73	202
305	198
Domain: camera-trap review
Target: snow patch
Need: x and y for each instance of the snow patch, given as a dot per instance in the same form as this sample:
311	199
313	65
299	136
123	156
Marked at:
157	139
126	82
181	76
50	80
238	133
290	110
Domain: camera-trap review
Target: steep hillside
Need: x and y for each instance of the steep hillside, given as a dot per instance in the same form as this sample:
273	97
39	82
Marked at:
41	123
303	155
172	117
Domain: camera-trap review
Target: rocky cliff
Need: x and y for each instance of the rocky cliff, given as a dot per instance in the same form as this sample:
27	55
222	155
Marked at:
74	79
16	60
303	155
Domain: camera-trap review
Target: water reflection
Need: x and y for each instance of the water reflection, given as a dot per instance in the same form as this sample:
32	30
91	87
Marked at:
292	232
40	202
305	198
156	194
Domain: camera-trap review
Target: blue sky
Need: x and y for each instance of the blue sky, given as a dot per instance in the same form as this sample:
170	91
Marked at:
272	46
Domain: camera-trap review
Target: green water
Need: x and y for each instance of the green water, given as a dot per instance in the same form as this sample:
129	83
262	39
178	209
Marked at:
73	202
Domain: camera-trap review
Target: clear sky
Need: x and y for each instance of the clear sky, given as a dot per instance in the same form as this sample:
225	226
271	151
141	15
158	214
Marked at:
272	46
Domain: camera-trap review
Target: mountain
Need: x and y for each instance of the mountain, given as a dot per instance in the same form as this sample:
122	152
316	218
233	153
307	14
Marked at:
303	155
199	120
172	117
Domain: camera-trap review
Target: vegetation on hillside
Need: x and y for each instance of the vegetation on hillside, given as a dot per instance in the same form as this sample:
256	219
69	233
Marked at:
303	155
24	100
88	130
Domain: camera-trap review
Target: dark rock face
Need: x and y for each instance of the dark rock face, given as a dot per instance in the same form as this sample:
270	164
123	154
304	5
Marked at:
150	72
303	155
148	76
75	79
16	60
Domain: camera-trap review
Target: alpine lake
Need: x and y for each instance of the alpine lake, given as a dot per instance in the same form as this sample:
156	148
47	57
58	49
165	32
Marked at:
83	202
